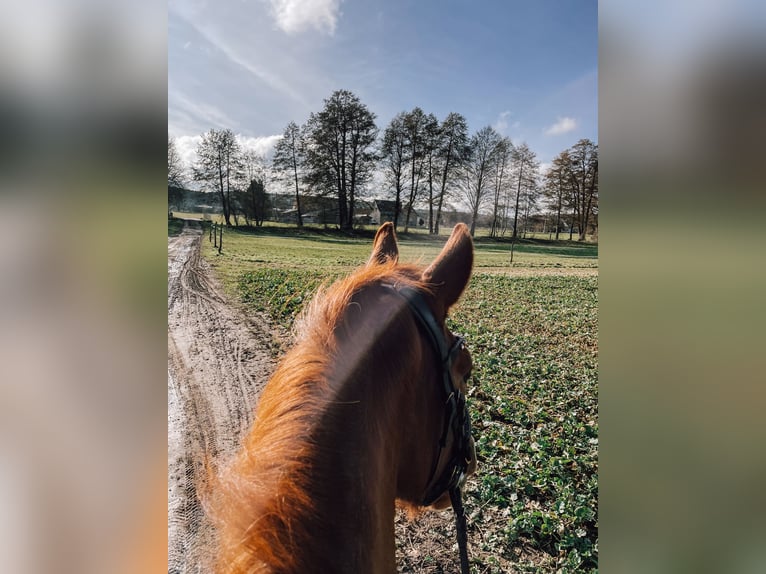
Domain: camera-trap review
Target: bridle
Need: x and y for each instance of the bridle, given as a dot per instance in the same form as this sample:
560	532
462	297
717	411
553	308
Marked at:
456	418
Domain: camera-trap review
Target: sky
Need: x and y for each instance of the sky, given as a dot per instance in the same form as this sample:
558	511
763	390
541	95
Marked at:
526	67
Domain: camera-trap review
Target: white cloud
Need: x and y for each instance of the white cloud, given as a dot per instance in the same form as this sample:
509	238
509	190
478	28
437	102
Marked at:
502	122
295	16
187	148
562	126
263	146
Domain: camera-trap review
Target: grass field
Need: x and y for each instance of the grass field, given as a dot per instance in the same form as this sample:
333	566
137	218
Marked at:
532	331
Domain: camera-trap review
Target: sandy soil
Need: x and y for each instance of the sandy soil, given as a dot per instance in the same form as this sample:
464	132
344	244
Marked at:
218	362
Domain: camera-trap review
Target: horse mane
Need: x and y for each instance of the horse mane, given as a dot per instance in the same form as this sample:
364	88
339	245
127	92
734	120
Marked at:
265	497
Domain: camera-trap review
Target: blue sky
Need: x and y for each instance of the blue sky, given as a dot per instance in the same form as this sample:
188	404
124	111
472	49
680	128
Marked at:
527	67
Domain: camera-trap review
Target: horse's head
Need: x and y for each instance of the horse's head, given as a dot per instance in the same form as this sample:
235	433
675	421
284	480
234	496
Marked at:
367	406
441	451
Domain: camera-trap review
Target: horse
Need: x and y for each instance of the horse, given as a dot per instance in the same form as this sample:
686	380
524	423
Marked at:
366	411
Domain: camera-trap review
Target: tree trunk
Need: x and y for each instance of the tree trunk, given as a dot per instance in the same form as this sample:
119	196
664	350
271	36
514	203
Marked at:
588	207
558	207
516	208
475	213
224	202
407	218
430	197
438	214
443	187
297	191
352	190
571	227
397	205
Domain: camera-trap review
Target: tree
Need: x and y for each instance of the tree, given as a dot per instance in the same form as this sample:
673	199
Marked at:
394	155
175	165
555	186
219	164
453	150
414	130
583	177
339	158
530	196
504	150
252	200
288	160
478	169
525	166
431	144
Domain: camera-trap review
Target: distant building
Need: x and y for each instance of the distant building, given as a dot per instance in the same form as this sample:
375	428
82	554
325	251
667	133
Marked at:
384	209
320	210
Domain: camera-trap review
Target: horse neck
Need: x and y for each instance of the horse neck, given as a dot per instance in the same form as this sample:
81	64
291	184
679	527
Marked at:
358	466
363	431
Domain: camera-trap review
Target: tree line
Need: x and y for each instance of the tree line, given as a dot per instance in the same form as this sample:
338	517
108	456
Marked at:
422	162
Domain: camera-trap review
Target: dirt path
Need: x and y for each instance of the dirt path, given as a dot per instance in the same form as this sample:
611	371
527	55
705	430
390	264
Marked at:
218	362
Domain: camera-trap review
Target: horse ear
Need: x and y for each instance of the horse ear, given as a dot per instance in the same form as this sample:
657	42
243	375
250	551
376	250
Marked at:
384	247
451	270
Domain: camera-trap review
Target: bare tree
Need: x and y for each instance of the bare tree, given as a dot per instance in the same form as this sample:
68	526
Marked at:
478	169
531	195
288	160
504	150
176	166
432	141
339	157
414	129
219	165
555	186
453	150
583	177
394	155
525	167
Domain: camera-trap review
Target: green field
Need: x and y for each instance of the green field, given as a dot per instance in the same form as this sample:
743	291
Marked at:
532	331
285	247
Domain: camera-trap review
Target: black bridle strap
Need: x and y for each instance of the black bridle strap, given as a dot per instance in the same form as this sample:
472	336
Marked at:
462	534
450	479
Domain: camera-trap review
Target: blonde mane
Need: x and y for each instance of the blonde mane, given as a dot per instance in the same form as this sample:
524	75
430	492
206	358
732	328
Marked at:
264	500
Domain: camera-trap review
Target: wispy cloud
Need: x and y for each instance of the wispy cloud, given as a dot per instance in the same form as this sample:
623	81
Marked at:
501	124
261	73
199	112
294	16
562	126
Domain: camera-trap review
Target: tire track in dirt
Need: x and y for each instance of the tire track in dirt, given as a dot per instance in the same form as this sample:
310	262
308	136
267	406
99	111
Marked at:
218	362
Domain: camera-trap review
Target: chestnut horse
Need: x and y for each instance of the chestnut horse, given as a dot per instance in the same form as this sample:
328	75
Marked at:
353	419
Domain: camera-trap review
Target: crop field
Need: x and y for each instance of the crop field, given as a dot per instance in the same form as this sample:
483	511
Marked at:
532	331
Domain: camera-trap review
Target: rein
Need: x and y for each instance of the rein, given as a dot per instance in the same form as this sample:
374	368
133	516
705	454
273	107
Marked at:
456	420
